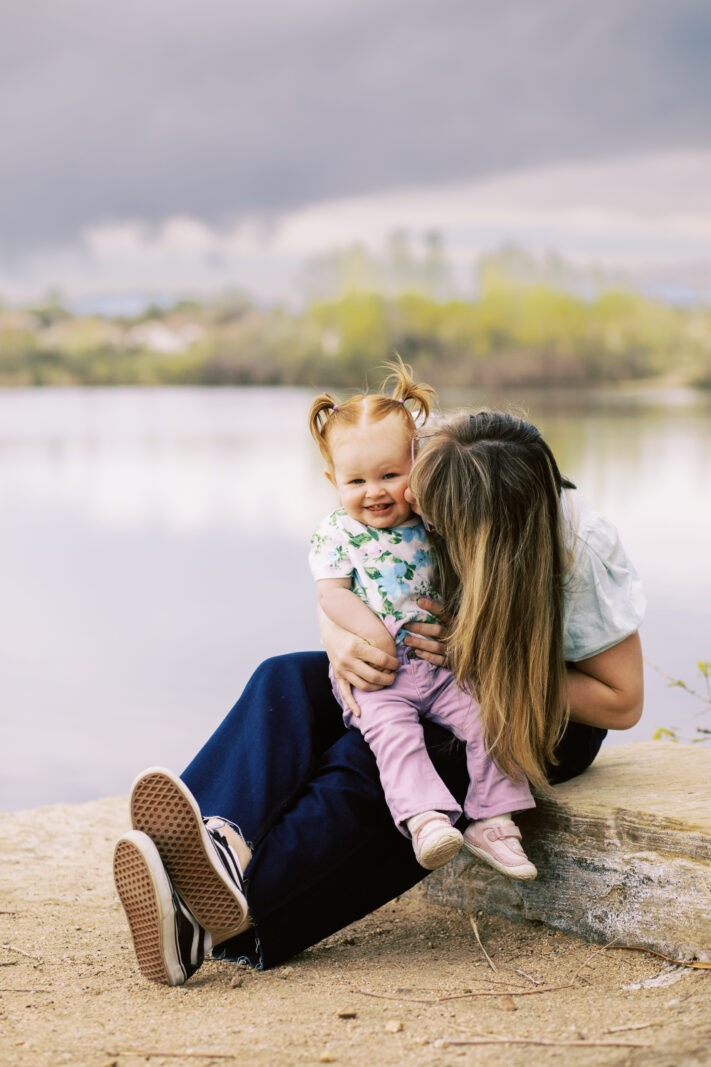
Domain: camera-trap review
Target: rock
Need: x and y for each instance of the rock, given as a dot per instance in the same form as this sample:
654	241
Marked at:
623	854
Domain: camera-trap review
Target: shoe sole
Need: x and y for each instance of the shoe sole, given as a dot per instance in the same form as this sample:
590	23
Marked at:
442	852
163	807
145	893
524	874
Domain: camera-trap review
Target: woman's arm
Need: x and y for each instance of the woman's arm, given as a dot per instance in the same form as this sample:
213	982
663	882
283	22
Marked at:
607	690
371	663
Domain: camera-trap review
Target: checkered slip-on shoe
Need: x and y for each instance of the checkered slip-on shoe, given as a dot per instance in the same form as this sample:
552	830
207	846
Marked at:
202	866
168	941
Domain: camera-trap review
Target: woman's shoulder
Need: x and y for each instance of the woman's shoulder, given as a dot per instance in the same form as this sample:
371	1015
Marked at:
604	599
589	534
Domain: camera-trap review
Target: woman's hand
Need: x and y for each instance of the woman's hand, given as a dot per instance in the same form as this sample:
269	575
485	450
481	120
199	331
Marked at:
429	639
358	663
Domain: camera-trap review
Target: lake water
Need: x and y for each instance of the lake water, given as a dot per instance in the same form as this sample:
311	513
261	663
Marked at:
153	546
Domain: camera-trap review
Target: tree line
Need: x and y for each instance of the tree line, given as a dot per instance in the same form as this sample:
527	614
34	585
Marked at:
515	332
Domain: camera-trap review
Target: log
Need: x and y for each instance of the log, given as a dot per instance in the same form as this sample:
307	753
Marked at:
623	855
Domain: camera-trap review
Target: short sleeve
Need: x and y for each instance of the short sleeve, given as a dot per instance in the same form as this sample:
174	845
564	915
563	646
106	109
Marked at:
329	555
603	597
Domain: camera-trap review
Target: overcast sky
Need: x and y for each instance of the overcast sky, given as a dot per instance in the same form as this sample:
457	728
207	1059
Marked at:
159	143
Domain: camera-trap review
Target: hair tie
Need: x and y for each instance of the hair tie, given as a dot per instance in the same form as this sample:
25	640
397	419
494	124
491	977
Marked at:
335	407
400	400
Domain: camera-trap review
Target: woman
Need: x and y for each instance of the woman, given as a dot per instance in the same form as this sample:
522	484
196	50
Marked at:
298	841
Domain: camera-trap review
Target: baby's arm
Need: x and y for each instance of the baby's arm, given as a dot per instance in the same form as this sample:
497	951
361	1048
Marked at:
344	615
337	600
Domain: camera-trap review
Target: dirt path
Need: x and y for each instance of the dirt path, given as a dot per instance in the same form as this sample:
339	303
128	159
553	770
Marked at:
408	985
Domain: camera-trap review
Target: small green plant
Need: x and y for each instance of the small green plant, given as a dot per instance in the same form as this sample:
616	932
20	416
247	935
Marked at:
701	733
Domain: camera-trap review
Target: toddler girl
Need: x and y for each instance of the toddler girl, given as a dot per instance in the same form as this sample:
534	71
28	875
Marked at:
372	563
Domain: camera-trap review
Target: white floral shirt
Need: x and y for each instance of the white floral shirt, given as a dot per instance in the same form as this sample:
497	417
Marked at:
388	569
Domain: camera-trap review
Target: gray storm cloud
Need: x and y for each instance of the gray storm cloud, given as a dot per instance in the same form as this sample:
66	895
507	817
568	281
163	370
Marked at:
223	110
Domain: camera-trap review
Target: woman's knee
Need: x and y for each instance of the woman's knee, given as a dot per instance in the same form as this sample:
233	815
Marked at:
307	664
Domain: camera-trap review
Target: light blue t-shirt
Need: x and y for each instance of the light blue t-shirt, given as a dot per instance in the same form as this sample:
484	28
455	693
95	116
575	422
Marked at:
603	599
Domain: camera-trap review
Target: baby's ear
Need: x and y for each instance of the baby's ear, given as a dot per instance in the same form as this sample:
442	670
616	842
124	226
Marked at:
329	476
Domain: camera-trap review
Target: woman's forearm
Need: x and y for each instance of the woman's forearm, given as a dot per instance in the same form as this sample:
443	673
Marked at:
360	663
607	690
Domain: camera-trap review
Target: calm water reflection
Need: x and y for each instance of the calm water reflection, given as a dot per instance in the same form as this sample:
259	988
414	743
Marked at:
153	548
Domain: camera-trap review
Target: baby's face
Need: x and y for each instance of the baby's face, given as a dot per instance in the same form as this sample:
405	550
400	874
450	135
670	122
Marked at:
371	465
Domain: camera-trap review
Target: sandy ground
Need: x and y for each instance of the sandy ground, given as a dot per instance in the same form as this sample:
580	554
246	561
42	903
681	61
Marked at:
410	984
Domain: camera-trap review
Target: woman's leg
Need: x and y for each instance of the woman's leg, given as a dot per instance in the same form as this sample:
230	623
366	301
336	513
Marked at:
334	856
575	751
307	794
267	746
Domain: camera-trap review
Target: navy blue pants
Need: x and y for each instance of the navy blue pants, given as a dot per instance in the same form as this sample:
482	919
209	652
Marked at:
305	792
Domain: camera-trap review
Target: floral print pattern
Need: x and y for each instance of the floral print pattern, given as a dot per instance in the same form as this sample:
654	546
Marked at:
388	569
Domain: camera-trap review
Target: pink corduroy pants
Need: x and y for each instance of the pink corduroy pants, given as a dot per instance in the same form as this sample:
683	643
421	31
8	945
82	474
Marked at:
391	723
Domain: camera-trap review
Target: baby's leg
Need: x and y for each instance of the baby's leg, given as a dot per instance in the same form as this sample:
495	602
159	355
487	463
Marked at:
492	796
490	791
391	726
420	803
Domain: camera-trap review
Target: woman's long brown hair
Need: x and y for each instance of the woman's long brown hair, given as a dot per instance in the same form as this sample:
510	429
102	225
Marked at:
489	487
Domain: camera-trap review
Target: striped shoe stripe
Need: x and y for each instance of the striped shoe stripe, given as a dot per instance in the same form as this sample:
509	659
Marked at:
228	859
